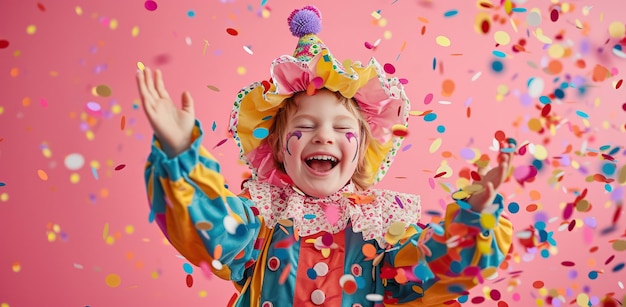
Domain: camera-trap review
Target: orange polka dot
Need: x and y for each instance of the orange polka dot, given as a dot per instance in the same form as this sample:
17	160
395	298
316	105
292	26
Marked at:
555	67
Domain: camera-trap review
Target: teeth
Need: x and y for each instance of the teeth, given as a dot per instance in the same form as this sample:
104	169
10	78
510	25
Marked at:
322	157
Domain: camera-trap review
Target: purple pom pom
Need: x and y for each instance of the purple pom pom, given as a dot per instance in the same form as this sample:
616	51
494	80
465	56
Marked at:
307	20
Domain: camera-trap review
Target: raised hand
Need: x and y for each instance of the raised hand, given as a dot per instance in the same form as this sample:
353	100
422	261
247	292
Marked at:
486	189
171	125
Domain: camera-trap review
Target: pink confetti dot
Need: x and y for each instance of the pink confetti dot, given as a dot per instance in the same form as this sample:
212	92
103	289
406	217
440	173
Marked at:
390	69
150	5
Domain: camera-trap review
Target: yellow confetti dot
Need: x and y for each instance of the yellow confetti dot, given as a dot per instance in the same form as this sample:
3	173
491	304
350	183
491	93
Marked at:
89	135
1	110
135	31
534	124
582	300
539	302
78	10
46	152
154	275
130	229
382	22
110	240
442	41
387	34
74	178
113	280
113	24
434	146
4	197
31	29
141	66
539	152
556	51
16	267
4	305
376	15
502	38
502	89
51	236
202	293
241	70
42	174
265	13
94	164
617	29
56	228
116	109
460	195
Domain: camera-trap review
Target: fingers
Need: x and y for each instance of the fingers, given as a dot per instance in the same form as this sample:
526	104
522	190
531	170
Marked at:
160	86
150	83
188	103
146	98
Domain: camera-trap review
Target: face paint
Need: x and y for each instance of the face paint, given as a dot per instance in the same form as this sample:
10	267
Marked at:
297	134
350	135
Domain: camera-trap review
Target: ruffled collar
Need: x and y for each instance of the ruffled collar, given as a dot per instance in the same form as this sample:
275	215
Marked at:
369	212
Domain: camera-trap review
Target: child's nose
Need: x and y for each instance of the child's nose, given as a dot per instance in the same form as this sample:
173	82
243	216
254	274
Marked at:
323	136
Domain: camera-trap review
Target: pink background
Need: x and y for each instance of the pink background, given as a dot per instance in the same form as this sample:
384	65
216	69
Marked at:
67	239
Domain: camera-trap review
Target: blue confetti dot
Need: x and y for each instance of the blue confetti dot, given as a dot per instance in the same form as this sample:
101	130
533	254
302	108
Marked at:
267	117
540	225
441	129
564	85
593	275
214	126
497	66
537	164
559	93
260	133
430	117
608	168
604	147
618	267
513	207
518	9
187	268
614	150
309	216
582	114
463	298
499	54
608	187
618	47
434	63
450	13
2	184
191	13
545	253
545	99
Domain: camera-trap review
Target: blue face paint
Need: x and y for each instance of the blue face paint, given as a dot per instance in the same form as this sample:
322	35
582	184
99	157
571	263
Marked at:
297	134
350	135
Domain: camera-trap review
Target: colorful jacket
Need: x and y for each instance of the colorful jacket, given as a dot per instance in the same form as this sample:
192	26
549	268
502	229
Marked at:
354	248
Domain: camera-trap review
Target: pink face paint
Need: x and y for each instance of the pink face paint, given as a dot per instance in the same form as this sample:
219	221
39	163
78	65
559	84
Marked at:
350	135
297	134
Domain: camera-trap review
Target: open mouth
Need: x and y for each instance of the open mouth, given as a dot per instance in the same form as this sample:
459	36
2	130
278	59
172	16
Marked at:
321	163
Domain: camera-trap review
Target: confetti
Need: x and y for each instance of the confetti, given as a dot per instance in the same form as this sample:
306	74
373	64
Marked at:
150	5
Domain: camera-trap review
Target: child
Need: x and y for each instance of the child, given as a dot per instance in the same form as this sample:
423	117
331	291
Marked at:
308	229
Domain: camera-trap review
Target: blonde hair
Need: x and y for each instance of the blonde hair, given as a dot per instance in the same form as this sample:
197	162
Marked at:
361	177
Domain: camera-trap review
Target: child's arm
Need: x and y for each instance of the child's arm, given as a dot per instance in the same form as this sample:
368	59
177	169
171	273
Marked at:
204	221
443	261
